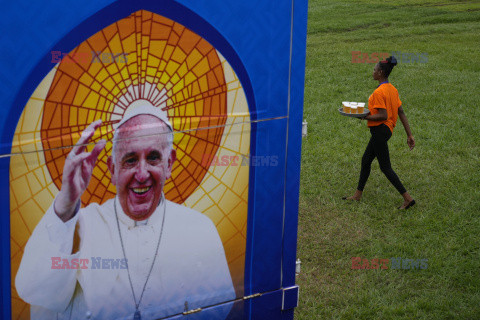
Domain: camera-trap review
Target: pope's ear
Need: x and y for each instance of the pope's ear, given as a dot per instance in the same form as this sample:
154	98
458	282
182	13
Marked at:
171	159
111	168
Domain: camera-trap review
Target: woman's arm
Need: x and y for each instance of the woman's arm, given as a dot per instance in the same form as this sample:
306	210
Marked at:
403	118
380	116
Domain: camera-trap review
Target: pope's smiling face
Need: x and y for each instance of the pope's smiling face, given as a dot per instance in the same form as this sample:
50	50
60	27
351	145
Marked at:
143	161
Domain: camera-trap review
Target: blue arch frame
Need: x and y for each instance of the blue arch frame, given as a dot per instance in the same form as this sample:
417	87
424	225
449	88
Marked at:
98	21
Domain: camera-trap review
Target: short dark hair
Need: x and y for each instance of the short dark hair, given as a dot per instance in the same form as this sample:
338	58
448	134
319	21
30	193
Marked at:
387	65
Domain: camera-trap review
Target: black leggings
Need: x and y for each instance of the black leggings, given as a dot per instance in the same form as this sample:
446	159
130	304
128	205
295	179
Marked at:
378	147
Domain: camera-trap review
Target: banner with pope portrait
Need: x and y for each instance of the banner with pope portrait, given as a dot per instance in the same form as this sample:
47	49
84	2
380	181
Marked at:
149	57
150	159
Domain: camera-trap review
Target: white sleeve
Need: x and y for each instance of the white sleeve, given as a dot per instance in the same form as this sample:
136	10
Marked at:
39	281
217	286
216	278
61	233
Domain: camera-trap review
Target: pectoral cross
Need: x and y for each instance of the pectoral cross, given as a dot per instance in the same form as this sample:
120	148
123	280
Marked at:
137	315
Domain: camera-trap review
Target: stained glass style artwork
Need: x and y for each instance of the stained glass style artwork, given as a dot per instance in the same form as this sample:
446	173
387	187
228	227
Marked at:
143	56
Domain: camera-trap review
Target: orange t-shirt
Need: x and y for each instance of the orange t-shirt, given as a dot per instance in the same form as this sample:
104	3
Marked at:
385	97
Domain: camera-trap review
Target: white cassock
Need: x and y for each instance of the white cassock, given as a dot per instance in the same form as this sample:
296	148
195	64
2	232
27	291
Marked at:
190	267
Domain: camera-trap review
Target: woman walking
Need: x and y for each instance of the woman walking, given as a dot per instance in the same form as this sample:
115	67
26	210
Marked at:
385	107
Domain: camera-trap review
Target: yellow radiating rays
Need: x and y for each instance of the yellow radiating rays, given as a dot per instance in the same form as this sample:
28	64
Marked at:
148	57
144	56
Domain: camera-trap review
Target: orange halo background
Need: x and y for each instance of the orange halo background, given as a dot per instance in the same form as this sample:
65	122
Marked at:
156	59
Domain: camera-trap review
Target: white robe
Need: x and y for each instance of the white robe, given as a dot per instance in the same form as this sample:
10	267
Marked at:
190	267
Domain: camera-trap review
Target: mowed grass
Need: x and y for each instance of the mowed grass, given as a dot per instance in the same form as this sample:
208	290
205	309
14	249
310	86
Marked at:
441	99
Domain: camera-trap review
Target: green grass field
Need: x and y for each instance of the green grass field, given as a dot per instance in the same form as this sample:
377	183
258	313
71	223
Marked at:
441	99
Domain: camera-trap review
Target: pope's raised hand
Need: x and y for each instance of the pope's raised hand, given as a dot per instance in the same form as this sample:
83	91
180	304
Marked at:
77	173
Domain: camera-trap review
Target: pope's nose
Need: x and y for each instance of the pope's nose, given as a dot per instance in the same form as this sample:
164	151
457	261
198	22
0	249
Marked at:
142	174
